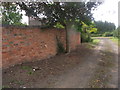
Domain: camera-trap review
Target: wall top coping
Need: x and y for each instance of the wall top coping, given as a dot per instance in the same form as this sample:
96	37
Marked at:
26	27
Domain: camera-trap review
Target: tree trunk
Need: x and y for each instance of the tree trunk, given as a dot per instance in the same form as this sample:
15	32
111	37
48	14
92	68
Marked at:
67	41
67	29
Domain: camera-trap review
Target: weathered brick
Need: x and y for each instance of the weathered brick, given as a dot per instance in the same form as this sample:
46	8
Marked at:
29	44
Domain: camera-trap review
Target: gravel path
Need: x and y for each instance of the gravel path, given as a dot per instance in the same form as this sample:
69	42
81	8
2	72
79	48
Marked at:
87	66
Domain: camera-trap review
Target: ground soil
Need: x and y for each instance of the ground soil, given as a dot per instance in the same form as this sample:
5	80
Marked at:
89	66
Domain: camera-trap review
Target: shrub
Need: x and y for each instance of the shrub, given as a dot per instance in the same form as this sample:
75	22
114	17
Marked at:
96	35
60	47
116	33
108	34
85	37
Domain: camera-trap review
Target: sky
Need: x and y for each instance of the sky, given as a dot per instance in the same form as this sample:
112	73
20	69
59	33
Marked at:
107	11
24	18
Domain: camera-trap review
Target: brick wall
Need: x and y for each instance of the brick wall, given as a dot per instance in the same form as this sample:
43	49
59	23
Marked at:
22	44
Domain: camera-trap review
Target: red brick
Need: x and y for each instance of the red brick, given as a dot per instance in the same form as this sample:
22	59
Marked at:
36	44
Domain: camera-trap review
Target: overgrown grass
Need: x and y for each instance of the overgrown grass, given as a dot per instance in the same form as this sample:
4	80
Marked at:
28	69
116	40
4	87
95	41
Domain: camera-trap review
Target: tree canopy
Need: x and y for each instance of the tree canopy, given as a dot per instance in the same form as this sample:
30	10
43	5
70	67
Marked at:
116	33
63	14
104	26
51	13
10	14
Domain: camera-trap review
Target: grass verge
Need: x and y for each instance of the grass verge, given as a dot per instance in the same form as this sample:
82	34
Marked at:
93	43
116	40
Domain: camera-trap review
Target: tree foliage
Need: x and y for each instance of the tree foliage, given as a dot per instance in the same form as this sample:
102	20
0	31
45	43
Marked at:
89	28
86	32
63	12
10	14
104	26
116	33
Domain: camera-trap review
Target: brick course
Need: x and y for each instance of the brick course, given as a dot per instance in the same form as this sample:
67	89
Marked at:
29	44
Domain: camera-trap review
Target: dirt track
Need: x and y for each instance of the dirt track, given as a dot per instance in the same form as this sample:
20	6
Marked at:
87	66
